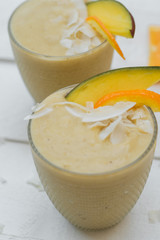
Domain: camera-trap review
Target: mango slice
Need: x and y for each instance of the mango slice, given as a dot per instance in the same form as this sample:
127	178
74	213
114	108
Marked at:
114	80
141	97
105	33
115	16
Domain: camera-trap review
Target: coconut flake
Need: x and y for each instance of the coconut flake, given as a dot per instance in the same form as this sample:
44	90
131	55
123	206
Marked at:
73	18
39	114
71	104
144	126
108	112
67	43
127	123
86	30
69	31
81	46
118	135
154	216
108	130
37	107
70	52
77	113
83	13
81	7
77	34
99	114
95	41
137	114
98	124
81	111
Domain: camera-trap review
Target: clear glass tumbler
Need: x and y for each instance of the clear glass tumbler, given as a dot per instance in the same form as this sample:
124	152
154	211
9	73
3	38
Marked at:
95	201
44	75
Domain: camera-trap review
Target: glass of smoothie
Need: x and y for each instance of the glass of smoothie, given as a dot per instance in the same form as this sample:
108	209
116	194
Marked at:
94	181
54	46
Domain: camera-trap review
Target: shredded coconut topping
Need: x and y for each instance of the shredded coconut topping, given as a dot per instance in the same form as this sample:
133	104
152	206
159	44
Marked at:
38	107
108	112
78	36
113	121
119	134
39	114
108	130
73	18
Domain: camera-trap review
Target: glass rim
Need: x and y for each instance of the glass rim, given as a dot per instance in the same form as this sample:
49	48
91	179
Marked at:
145	152
12	37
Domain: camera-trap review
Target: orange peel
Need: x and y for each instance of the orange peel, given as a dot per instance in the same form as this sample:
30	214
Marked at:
98	25
141	97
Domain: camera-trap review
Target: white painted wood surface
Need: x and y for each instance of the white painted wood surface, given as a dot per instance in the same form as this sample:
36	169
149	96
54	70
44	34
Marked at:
25	211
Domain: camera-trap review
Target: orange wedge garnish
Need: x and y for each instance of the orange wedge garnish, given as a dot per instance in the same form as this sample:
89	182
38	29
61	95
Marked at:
141	97
105	33
154	57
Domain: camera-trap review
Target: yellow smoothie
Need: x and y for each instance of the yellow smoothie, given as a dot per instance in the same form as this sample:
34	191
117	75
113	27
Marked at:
92	170
54	46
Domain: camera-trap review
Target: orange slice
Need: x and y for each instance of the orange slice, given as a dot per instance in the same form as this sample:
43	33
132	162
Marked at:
154	57
105	33
141	97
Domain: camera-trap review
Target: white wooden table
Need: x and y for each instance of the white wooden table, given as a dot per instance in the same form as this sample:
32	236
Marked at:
25	211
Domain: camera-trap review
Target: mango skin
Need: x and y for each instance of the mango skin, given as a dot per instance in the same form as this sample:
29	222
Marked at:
130	78
115	16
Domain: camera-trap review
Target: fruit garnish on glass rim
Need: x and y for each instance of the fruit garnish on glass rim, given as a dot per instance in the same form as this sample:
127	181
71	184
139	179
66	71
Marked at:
141	97
110	17
122	79
96	23
114	15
